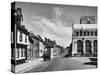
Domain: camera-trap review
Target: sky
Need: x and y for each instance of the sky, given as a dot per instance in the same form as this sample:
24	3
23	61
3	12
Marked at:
54	21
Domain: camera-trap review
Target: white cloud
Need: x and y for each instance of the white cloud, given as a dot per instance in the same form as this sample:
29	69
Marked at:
54	28
62	34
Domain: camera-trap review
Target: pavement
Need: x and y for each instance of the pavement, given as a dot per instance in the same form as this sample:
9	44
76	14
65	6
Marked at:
25	66
59	64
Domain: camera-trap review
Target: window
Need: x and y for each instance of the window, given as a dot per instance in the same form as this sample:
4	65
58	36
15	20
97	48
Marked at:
91	33
24	52
20	38
88	33
26	38
84	33
12	53
80	32
77	34
21	52
95	33
18	53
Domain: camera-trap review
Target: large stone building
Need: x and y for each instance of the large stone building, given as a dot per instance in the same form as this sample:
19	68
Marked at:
84	40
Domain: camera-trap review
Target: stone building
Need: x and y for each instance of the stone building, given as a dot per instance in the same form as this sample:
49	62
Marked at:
84	40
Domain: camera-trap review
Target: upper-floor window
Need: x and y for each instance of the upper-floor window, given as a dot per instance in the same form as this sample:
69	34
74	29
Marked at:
88	33
77	34
95	33
25	38
20	36
91	33
80	32
84	33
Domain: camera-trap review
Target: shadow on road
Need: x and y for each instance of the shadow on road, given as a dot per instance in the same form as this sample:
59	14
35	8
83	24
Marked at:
92	62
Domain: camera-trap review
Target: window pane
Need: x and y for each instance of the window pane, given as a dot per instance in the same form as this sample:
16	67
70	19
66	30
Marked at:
18	53
20	37
21	52
25	38
84	33
91	33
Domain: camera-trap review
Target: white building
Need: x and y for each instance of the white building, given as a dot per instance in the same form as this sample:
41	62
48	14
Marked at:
84	40
41	49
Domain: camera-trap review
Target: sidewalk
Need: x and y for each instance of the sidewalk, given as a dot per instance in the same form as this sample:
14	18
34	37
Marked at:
22	67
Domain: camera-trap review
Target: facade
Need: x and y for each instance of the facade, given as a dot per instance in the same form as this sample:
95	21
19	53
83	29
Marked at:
56	51
84	40
87	20
19	48
41	49
33	47
19	37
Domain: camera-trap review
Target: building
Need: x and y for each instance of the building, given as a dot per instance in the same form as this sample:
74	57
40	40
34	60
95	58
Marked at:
87	20
84	40
56	51
19	37
41	49
33	52
19	45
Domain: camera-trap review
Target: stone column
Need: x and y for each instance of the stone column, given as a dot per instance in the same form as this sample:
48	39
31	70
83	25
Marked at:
84	46
92	46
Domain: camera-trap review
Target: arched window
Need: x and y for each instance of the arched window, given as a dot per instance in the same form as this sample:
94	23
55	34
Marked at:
95	46
80	46
88	47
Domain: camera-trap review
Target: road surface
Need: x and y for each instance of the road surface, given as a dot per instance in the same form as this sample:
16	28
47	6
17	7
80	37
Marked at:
59	64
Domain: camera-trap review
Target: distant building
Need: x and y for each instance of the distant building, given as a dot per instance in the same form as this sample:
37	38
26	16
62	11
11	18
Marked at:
56	51
87	20
41	49
84	40
34	47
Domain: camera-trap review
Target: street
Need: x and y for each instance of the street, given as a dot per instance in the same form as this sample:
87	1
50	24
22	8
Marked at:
59	64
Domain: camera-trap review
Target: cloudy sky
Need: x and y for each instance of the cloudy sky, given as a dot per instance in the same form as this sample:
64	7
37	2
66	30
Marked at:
54	21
